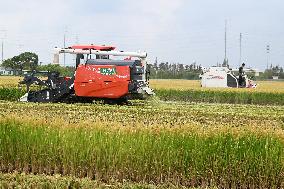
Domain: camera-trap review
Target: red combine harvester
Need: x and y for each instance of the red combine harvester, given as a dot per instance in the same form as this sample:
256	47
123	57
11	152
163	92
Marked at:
96	77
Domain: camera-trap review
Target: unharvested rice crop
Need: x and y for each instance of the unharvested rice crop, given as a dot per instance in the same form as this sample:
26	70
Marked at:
181	144
9	81
262	86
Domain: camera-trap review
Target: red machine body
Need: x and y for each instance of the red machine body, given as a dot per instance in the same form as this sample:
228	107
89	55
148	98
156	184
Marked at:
102	81
105	78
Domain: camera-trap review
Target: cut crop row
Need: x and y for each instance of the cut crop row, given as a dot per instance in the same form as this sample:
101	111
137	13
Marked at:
22	180
148	114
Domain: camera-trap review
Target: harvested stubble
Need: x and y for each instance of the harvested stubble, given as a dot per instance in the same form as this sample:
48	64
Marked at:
167	115
147	144
22	180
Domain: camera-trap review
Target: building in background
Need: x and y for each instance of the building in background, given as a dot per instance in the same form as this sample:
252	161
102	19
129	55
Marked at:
4	71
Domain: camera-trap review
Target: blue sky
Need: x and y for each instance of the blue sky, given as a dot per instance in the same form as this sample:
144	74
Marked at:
179	31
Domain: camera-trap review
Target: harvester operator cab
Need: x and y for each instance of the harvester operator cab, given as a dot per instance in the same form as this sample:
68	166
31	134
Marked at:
80	58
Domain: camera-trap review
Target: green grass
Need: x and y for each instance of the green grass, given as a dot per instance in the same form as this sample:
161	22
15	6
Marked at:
223	159
11	94
192	95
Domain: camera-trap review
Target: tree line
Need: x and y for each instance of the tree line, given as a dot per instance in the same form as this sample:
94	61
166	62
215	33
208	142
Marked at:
162	70
272	71
166	70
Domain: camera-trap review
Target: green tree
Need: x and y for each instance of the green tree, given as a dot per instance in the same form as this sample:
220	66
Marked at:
26	60
8	63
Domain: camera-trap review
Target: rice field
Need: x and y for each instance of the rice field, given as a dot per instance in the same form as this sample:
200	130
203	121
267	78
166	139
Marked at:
159	143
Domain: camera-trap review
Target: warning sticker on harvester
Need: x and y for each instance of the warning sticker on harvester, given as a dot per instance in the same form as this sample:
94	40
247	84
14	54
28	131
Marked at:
107	71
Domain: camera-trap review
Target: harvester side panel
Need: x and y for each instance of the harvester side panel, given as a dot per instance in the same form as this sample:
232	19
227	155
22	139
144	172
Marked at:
102	81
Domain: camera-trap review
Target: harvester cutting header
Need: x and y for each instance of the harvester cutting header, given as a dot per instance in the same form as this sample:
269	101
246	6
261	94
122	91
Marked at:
97	76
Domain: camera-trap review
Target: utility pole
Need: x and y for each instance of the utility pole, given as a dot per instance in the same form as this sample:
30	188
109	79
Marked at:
267	52
2	51
2	44
156	67
64	48
240	61
64	45
225	63
225	39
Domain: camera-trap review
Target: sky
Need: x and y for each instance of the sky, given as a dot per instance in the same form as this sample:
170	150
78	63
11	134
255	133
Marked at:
175	31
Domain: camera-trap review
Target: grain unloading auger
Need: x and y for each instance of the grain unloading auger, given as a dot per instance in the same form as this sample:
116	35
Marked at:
97	77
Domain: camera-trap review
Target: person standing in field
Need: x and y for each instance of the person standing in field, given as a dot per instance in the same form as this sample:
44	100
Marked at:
242	81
